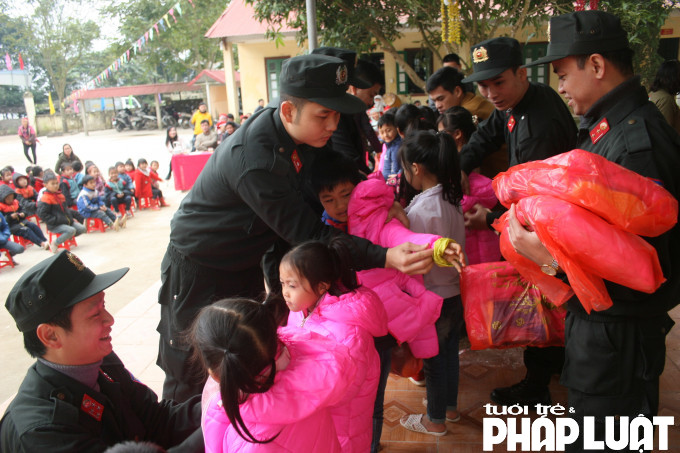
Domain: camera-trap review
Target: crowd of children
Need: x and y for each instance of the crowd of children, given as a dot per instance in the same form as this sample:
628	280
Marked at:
67	199
362	311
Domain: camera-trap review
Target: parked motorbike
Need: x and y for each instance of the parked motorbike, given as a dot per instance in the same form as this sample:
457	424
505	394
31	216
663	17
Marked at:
184	120
169	116
122	120
143	120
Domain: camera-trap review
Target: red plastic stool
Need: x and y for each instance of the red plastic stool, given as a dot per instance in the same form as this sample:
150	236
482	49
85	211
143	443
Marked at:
123	211
133	204
20	240
146	202
95	224
66	244
35	218
8	261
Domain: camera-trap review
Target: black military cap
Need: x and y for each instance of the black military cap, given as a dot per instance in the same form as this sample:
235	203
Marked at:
321	79
493	56
350	59
583	33
52	285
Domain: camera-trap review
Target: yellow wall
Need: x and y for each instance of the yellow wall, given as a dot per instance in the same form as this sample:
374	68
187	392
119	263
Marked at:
251	59
218	100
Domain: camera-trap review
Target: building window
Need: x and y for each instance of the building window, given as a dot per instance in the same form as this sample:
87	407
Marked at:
273	66
421	61
540	73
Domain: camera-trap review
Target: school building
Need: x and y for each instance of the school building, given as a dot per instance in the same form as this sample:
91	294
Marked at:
260	58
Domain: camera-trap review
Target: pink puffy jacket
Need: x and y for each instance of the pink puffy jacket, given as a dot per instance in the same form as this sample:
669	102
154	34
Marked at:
481	246
352	319
319	374
411	309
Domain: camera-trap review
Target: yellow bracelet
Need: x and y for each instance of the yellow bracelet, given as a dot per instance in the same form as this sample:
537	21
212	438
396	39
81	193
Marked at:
439	247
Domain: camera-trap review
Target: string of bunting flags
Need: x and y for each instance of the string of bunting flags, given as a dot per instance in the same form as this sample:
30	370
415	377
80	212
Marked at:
161	25
8	62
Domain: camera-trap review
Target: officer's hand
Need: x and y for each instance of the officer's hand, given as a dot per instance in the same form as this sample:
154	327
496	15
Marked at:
526	242
411	259
396	211
475	218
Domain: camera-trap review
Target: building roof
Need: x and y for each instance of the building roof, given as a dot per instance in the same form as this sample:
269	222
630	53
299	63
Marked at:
212	77
238	20
137	90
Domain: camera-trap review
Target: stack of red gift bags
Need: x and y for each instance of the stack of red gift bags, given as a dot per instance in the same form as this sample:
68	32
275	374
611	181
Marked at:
590	214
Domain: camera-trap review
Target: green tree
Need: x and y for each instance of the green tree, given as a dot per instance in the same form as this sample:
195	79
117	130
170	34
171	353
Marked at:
375	24
176	53
59	43
643	22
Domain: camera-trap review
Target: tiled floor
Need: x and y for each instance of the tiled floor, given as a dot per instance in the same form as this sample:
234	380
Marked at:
481	372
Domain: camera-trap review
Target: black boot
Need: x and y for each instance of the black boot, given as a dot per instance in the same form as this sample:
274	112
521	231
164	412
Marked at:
525	392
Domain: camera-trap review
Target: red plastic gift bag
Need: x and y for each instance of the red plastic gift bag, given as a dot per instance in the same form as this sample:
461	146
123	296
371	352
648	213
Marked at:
624	198
404	363
504	310
588	249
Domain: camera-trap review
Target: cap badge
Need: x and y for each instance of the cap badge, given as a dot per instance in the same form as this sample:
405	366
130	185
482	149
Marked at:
480	55
341	75
75	261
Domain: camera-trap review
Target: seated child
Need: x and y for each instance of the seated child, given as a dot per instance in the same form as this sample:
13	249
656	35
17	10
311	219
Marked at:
323	295
26	194
37	178
69	188
58	217
481	246
90	205
130	169
123	176
154	166
7	173
391	168
77	173
16	219
116	193
143	183
5	239
99	181
268	389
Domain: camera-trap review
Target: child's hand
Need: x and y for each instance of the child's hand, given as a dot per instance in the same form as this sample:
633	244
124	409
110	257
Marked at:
396	211
454	255
21	214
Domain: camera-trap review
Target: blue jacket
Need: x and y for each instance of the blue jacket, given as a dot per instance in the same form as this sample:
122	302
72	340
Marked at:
4	230
88	202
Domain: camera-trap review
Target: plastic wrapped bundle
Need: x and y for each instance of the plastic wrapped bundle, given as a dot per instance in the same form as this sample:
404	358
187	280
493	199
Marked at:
632	202
504	310
589	249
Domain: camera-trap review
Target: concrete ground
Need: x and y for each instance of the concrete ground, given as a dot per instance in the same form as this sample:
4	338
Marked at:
140	246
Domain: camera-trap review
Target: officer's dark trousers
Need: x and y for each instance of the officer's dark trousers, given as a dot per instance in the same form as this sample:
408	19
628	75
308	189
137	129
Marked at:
542	363
186	287
612	367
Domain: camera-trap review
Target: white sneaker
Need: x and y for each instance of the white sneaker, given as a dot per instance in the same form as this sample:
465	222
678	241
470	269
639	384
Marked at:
116	225
53	246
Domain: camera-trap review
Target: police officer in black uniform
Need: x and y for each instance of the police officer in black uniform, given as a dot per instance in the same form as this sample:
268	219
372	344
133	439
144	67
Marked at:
78	396
534	122
614	358
248	199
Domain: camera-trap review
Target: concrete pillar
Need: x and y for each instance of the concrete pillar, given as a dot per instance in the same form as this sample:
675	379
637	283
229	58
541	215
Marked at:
230	80
30	110
83	115
159	119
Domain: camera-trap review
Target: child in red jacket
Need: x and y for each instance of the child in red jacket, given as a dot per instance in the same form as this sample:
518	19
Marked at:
144	179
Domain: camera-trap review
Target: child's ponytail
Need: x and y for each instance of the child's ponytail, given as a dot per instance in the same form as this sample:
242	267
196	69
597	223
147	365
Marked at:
328	263
236	340
448	171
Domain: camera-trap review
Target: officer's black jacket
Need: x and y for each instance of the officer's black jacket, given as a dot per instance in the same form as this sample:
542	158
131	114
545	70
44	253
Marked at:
543	127
49	414
641	140
248	195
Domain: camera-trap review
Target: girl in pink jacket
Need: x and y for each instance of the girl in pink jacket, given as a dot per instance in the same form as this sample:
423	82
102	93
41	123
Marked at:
321	290
267	392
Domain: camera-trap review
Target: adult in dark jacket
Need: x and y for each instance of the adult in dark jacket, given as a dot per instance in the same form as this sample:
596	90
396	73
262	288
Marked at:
533	121
247	199
614	358
78	396
66	155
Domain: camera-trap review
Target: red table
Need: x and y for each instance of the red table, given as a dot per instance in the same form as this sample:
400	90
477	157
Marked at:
186	168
